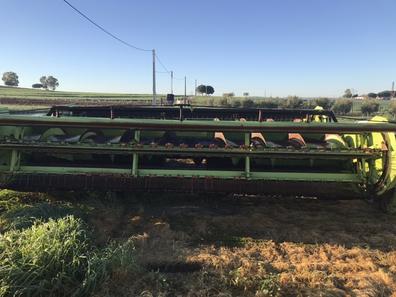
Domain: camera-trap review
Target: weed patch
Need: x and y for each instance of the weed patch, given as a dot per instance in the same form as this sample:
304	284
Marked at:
25	216
57	258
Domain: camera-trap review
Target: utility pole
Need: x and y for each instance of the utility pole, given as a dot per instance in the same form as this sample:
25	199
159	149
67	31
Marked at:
393	90
154	102
171	82
195	89
185	87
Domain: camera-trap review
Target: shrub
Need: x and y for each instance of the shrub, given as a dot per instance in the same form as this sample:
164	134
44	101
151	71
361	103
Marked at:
224	102
342	106
392	108
293	102
369	106
236	103
326	103
269	104
248	103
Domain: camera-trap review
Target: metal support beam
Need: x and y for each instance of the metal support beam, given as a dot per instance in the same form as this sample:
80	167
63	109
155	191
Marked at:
195	125
135	161
247	158
15	154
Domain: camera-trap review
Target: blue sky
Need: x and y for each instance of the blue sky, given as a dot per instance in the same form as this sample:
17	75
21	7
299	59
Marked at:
272	47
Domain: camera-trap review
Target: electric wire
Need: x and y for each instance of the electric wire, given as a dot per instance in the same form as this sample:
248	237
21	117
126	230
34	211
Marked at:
104	30
162	64
119	39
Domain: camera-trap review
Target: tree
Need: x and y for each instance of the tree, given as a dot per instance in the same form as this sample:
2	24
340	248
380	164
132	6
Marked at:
201	89
248	103
49	82
269	103
224	102
209	90
372	95
392	109
52	82
369	106
43	81
37	86
347	93
236	103
385	94
246	94
10	79
326	103
342	106
293	102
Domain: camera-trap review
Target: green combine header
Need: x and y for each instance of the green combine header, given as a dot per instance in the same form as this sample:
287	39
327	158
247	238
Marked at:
199	149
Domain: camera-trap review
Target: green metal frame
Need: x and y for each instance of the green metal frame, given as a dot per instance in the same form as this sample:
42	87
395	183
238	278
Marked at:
14	144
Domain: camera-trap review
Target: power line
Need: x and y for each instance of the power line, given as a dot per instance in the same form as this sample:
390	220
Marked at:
104	30
162	64
155	56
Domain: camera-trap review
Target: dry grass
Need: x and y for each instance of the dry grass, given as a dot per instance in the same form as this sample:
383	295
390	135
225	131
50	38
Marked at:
254	247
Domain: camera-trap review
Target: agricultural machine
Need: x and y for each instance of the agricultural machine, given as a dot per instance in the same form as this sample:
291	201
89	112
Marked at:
199	149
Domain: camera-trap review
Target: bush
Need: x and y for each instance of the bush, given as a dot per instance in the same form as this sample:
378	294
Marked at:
293	102
55	259
342	106
326	103
248	103
392	108
268	104
224	102
369	106
236	103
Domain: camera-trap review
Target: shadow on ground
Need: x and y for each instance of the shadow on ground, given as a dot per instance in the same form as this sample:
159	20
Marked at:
256	246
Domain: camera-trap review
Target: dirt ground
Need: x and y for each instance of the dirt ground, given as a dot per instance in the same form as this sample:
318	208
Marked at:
252	246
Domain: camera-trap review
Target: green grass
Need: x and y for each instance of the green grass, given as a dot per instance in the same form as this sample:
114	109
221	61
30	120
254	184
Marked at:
383	106
47	248
26	93
51	259
56	258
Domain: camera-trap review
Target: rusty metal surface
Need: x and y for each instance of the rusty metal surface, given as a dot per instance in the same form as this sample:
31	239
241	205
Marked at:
128	149
189	112
40	182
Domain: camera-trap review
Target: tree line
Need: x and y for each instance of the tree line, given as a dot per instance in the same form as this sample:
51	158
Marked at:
49	82
384	94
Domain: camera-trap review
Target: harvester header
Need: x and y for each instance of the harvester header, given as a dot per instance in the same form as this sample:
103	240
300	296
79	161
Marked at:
199	149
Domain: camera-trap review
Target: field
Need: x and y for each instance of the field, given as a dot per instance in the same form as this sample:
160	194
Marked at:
185	245
21	93
153	244
33	98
